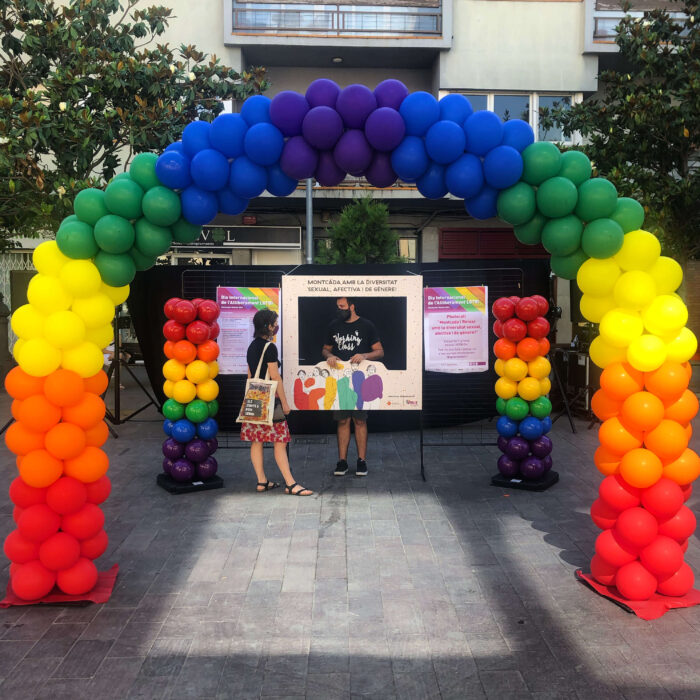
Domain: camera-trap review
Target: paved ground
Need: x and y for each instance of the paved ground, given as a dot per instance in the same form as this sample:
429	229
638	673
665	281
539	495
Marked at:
381	587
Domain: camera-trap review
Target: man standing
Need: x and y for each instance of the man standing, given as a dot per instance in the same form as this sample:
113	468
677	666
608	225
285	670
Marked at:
353	339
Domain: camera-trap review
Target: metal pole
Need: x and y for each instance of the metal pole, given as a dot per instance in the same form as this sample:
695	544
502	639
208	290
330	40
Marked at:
309	223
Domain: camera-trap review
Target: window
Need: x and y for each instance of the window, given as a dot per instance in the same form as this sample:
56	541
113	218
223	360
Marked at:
512	107
407	249
478	101
553	102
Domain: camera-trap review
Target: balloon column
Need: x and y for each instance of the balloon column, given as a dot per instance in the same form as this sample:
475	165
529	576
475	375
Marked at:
190	346
522	386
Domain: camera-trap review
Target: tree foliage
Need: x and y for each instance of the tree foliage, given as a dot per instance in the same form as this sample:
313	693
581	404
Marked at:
642	131
84	85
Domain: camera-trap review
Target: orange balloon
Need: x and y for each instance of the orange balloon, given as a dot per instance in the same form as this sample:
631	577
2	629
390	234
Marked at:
65	441
618	438
39	469
668	381
97	435
688	368
168	349
208	351
528	349
683	409
544	346
667	440
620	380
14	408
64	387
604	406
88	466
642	410
685	469
641	468
20	385
86	414
607	462
97	384
184	351
21	441
503	349
39	414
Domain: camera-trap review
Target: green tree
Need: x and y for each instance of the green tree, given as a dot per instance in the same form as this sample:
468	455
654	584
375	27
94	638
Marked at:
643	130
84	85
361	235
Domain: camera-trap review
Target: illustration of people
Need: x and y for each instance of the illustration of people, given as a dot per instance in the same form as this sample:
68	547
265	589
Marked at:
317	389
372	388
301	398
347	398
331	389
358	377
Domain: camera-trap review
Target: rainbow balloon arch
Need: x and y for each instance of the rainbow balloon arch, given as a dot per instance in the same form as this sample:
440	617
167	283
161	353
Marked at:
548	196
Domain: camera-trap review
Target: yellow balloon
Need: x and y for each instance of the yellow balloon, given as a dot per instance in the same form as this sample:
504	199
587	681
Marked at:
498	366
666	315
169	388
539	368
619	327
86	359
48	258
47	294
37	356
597	278
102	336
667	274
634	290
647	353
594	308
506	388
95	311
81	278
640	250
515	369
214	368
602	354
118	295
529	389
197	371
682	347
27	322
64	329
174	370
184	391
545	386
208	390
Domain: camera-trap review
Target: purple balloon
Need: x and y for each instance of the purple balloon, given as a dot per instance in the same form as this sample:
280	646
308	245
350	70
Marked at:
287	112
507	466
322	127
518	448
380	173
173	449
531	468
298	159
385	129
502	442
167	465
322	93
541	447
352	153
390	93
182	470
355	103
207	468
328	173
212	445
546	463
196	450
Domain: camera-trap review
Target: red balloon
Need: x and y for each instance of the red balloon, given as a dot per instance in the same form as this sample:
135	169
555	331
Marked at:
681	526
32	581
196	301
514	330
527	309
612	551
538	328
79	579
635	582
498	328
174	331
514	299
687	490
679	583
208	310
214	330
38	523
603	515
19	549
503	308
197	332
98	491
184	312
602	571
170	306
94	547
684	546
67	495
615	492
59	552
16	512
636	528
542	304
664	499
23	495
84	524
662	557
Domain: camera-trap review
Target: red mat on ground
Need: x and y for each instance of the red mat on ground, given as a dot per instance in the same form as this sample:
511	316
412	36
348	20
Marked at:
655	607
99	594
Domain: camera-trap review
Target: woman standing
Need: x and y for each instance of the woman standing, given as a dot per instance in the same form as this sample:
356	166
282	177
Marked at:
265	328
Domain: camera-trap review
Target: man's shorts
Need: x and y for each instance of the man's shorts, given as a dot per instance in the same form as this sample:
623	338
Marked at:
342	415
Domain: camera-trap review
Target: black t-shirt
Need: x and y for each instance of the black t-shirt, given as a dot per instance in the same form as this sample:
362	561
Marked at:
348	339
253	356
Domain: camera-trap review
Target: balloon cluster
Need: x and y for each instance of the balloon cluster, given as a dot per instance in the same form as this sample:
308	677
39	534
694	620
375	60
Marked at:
57	436
190	346
522	387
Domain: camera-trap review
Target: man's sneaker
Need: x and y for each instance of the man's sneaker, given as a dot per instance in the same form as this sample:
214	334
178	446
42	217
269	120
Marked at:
341	469
361	468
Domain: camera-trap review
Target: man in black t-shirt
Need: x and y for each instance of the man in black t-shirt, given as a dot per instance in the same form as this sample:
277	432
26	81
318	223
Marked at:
351	339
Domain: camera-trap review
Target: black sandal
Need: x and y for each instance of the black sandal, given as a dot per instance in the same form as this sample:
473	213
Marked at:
268	486
289	490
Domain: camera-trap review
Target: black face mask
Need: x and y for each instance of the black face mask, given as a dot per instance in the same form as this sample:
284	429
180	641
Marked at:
343	314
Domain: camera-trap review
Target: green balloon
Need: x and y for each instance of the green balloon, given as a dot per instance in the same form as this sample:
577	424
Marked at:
541	407
89	205
152	240
501	406
67	220
120	176
143	170
161	206
123	198
115	270
531	232
516	205
142	262
517	408
602	238
597	199
185	232
213	408
562	237
173	410
114	234
540	162
567	267
575	166
76	240
197	411
629	213
556	197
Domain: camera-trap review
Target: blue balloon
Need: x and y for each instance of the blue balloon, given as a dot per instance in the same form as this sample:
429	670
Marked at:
173	169
183	430
168	427
230	203
209	170
420	110
455	108
465	177
199	207
483	206
531	428
263	144
279	184
256	109
445	142
546	424
195	138
518	134
247	179
208	429
227	132
175	146
506	426
432	183
484	131
409	159
503	167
